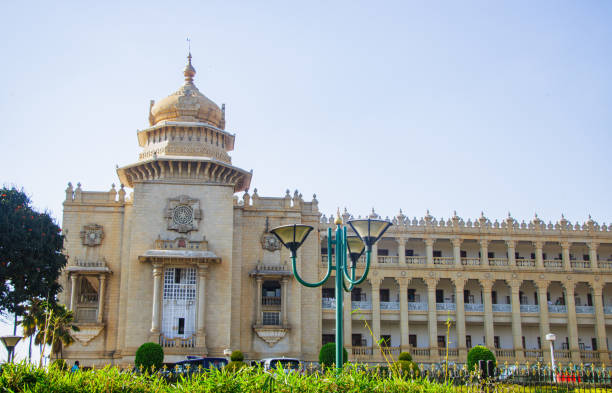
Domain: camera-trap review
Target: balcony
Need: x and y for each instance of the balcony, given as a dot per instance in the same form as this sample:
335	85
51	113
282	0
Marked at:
389	305
585	310
533	354
505	354
525	263
474	307
470	261
589	356
446	306
177	342
416	260
328	303
361	305
502	308
557	309
387	259
530	308
499	262
563	354
271	301
553	264
443	261
580	264
607	309
606	265
412	306
86	314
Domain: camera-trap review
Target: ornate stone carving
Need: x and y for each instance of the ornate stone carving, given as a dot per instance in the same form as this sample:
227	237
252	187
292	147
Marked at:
270	242
271	334
183	214
87	333
92	235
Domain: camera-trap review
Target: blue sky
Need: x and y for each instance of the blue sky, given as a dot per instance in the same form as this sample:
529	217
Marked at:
442	105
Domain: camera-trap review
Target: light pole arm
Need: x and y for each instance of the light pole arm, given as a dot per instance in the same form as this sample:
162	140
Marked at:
354	282
329	266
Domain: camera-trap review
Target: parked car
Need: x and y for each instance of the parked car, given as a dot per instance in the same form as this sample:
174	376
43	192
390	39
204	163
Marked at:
287	364
191	366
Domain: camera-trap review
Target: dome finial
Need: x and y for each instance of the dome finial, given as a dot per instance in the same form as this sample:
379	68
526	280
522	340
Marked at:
189	71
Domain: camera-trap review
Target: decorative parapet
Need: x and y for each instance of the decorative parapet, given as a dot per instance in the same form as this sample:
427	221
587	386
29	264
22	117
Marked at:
288	202
262	269
82	265
113	197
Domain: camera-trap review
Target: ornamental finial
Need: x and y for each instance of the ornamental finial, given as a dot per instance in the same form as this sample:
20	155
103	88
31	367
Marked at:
189	71
338	218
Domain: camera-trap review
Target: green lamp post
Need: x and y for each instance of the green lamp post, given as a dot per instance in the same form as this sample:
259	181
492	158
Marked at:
368	232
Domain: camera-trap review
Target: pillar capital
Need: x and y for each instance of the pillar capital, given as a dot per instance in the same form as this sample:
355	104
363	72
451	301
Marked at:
569	286
401	241
487	284
375	281
456	241
593	245
484	242
515	285
431	282
429	241
511	243
402	281
459	282
538	244
542	284
597	287
203	270
565	244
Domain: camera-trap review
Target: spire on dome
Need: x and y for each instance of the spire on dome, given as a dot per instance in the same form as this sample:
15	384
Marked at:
189	71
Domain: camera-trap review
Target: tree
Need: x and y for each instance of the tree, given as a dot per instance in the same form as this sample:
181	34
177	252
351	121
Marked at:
477	353
30	253
55	326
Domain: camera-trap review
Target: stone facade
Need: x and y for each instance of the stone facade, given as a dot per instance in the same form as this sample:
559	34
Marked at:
186	262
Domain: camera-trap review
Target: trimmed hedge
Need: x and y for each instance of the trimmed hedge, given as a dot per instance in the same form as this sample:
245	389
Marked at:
149	356
327	355
237	356
479	353
405	356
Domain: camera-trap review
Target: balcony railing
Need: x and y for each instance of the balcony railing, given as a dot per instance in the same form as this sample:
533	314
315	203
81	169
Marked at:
470	261
271	300
271	318
581	264
420	353
86	314
505	353
585	310
412	306
444	261
360	351
389	305
177	342
533	354
328	303
416	260
607	265
474	307
525	263
589	355
553	263
563	354
556	308
498	262
390	351
361	304
88	298
452	352
607	309
530	308
446	306
387	259
502	308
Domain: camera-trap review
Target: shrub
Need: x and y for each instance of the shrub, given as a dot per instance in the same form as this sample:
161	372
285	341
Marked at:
405	356
327	355
235	365
407	368
479	353
149	356
237	356
60	364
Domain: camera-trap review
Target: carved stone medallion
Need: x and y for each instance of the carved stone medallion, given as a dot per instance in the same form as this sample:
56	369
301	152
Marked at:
92	235
270	242
183	214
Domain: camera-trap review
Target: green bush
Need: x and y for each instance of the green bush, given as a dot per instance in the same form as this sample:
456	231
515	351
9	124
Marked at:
60	364
237	356
327	355
149	356
235	365
479	353
407	368
405	356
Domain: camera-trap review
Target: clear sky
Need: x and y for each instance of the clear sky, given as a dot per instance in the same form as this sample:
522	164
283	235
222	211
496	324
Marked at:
472	106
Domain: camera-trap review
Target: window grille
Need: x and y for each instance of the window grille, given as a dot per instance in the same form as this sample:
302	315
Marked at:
271	318
179	302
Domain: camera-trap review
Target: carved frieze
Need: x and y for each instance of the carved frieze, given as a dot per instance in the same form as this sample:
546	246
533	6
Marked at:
183	214
92	235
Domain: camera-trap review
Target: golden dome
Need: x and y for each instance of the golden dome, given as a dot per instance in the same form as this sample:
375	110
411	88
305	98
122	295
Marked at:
187	104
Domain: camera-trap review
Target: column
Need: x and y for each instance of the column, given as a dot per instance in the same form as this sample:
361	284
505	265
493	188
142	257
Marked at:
375	283
101	294
593	254
201	326
432	317
157	292
401	250
600	322
539	260
484	252
73	291
511	252
517	330
460	315
457	253
348	323
487	285
404	324
429	242
374	260
565	255
544	322
572	323
284	300
258	316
